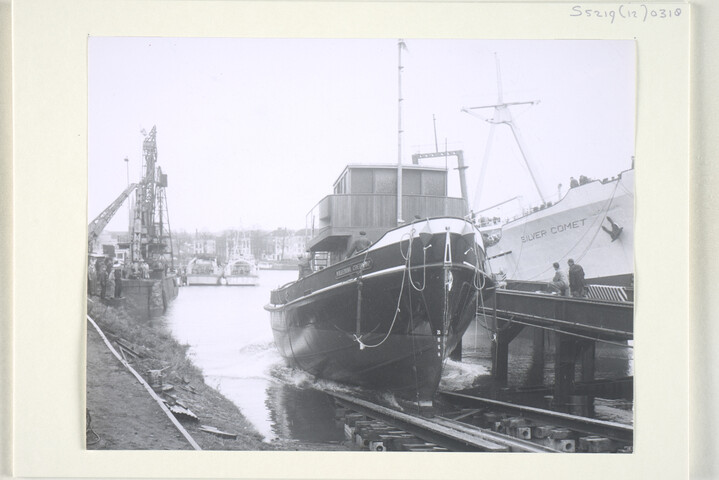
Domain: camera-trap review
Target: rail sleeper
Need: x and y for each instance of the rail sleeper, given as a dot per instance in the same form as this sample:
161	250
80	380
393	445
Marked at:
563	445
595	444
399	443
519	427
491	419
524	433
542	431
370	433
377	446
560	434
352	418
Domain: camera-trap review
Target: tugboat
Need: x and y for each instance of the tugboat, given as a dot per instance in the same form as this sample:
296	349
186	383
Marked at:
382	303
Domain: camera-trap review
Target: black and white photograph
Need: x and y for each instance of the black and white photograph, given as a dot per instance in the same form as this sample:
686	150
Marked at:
369	245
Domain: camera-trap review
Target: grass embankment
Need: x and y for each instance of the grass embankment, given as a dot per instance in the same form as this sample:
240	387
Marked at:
148	345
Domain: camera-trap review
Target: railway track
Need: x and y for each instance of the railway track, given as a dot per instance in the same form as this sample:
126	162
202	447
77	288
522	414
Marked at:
615	431
477	425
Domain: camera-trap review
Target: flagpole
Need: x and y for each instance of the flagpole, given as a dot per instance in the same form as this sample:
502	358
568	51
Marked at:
400	46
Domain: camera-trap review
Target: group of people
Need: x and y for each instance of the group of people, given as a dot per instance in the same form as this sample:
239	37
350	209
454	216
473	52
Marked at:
137	270
582	180
571	282
106	276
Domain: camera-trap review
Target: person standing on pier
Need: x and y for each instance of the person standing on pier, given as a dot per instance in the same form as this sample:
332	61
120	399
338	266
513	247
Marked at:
560	280
110	280
118	279
576	278
91	278
304	266
101	276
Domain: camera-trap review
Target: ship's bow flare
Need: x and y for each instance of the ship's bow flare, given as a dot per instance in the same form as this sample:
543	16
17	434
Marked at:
389	317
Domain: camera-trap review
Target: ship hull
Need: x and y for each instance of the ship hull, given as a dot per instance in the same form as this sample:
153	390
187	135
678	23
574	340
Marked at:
242	280
578	227
240	272
387	318
195	279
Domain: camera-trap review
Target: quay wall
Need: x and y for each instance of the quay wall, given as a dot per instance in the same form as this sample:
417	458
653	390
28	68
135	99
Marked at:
149	297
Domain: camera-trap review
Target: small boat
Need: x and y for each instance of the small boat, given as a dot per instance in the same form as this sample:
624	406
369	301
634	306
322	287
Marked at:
203	270
386	317
265	266
240	271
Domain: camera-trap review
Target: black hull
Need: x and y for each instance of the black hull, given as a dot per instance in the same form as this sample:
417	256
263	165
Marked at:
412	309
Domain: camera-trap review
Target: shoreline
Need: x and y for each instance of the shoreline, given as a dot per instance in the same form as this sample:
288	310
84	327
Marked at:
121	412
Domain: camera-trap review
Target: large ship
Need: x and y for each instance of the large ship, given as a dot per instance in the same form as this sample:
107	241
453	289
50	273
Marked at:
387	316
592	225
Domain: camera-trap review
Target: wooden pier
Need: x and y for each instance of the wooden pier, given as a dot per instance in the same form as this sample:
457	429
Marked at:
577	324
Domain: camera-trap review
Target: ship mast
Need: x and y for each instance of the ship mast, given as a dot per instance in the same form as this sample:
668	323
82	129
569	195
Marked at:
400	46
502	115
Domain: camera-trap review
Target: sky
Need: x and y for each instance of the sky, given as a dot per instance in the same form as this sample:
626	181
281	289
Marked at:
252	133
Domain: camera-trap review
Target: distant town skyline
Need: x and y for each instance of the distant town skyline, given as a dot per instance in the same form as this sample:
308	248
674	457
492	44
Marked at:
252	133
261	245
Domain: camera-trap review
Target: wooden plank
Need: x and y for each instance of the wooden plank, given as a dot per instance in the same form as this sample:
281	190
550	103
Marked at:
215	431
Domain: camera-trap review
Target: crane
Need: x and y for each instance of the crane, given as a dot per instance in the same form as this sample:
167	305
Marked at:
95	228
150	229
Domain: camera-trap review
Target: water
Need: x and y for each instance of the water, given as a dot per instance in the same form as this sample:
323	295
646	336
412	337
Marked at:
611	360
529	368
230	339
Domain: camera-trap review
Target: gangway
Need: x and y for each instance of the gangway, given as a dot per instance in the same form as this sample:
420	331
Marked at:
577	323
582	317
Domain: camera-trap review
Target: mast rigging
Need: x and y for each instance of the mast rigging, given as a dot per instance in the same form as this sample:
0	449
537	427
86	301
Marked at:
502	115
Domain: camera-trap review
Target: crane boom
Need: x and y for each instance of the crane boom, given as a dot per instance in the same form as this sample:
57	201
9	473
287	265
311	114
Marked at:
95	228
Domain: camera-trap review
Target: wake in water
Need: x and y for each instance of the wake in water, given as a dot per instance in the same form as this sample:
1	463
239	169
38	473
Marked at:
302	380
253	361
460	375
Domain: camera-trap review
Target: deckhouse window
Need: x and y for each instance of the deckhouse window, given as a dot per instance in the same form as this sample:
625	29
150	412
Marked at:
341	185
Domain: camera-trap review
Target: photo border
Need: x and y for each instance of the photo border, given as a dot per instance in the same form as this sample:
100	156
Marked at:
50	201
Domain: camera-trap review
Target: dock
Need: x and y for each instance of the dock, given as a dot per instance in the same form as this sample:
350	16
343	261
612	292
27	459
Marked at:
577	324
